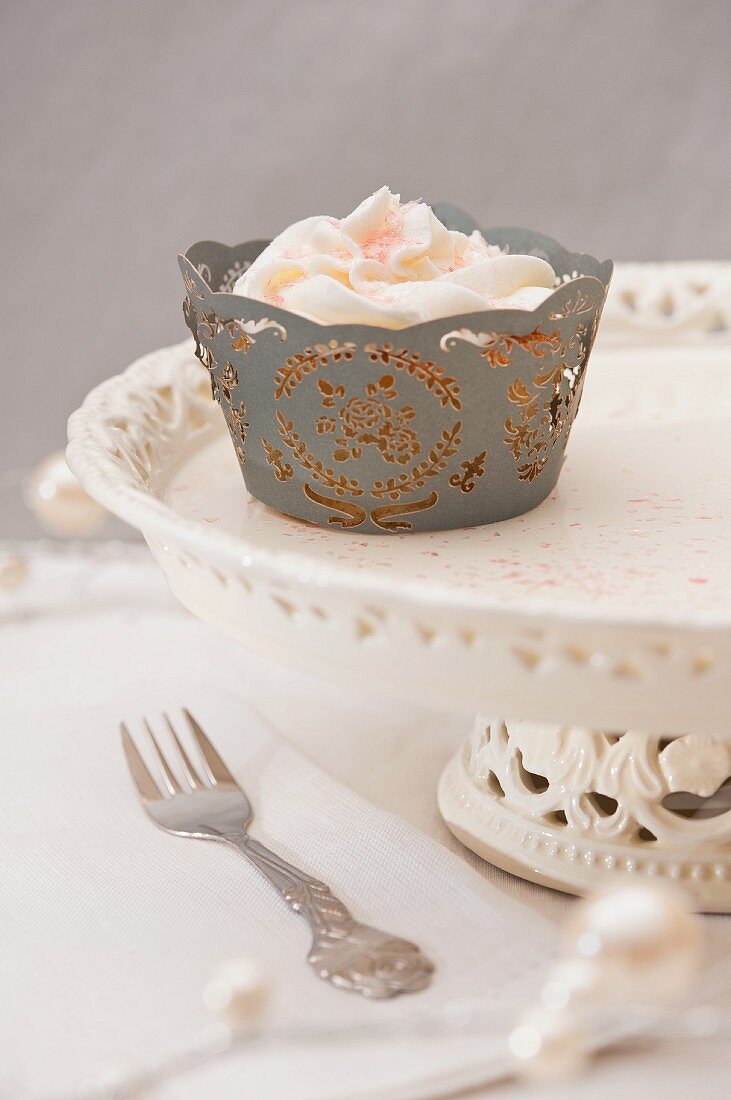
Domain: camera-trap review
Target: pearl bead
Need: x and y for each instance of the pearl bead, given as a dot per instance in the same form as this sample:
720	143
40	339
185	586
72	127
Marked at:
570	982
238	992
548	1045
216	1038
113	1078
59	502
642	939
13	571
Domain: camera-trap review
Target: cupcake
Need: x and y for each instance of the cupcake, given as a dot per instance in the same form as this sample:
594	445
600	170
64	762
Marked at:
397	369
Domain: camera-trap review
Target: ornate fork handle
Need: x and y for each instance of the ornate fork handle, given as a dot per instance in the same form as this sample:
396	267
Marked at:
344	952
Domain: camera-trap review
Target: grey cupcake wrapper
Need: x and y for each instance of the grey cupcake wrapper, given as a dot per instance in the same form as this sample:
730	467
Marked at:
449	423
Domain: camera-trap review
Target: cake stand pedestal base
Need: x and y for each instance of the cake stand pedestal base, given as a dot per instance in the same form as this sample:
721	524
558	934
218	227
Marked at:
580	809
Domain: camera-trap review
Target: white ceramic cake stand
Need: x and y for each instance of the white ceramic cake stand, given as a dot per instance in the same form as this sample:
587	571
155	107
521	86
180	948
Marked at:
591	636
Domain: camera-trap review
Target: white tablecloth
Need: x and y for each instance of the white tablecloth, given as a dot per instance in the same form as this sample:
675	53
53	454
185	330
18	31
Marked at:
110	928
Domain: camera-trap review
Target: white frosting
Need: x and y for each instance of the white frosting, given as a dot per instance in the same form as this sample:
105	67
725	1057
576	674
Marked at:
390	264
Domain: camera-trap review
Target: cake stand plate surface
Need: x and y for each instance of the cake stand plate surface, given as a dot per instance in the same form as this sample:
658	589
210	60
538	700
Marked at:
592	635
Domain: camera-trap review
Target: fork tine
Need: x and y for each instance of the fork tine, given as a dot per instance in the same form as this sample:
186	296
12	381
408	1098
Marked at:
169	781
191	775
146	786
215	769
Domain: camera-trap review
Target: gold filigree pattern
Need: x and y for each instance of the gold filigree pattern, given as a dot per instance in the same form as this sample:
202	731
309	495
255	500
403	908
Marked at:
530	470
536	343
190	314
238	416
433	376
208	328
313	466
330	393
472	468
389	517
240	341
360	422
203	329
230	277
445	448
351	514
497	348
524	435
238	424
551	404
370	421
243	333
298	366
581	303
203	326
282	470
223	385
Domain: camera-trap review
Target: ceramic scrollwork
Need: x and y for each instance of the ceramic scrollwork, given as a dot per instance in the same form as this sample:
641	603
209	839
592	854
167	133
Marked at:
606	785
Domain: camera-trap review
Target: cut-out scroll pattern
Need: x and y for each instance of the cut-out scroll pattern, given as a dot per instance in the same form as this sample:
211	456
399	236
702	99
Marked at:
619	786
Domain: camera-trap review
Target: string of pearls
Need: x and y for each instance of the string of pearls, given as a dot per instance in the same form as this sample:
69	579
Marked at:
62	507
636	947
58	500
628	956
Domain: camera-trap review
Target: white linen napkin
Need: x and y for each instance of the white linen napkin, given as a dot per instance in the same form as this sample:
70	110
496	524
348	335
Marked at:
110	928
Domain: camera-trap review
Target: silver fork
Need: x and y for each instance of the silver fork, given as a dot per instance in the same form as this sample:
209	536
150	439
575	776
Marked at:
206	802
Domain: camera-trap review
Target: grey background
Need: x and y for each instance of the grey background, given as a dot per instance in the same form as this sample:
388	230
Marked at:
129	130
